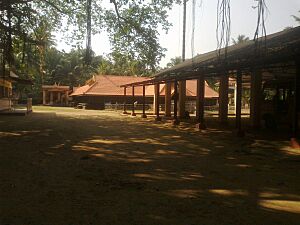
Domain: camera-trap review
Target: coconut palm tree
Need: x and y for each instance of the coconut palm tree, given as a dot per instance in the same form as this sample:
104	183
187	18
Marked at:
174	61
240	39
297	18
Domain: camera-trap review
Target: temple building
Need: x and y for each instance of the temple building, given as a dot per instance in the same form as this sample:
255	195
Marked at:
55	95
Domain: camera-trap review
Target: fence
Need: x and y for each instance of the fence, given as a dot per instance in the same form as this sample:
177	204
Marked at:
189	107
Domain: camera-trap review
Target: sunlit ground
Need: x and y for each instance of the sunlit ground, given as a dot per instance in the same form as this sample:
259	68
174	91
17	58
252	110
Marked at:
68	166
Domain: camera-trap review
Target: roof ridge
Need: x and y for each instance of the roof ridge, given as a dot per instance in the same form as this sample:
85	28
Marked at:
90	87
106	76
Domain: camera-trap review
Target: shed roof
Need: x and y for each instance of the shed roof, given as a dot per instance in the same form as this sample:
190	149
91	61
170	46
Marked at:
278	50
55	87
279	47
13	77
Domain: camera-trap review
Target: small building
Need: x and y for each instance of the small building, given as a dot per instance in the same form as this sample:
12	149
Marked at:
6	89
55	95
5	93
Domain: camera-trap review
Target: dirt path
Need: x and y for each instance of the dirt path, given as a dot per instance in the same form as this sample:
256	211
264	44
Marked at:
75	167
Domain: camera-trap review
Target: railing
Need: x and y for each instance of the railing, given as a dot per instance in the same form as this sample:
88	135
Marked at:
190	107
109	106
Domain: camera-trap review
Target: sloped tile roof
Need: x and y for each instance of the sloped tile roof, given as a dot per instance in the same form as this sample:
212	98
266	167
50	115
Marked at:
109	85
191	90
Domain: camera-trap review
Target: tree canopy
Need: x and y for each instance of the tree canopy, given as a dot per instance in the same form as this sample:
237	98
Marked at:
297	18
132	25
27	43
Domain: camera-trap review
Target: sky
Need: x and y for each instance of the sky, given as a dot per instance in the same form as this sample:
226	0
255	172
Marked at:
243	21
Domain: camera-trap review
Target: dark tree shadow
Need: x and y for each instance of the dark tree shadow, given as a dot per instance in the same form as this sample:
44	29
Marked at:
101	169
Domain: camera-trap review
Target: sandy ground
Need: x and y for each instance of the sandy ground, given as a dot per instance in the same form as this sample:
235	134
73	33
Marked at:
77	167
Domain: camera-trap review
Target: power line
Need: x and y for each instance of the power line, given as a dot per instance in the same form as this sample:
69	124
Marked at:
184	30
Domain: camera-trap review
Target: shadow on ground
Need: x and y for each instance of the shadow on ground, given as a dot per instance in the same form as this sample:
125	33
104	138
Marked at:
73	168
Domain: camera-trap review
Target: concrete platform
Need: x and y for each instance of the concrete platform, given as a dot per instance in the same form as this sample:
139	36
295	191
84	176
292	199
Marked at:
16	112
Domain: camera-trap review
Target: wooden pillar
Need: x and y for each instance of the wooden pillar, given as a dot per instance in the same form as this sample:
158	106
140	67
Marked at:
182	97
156	95
124	105
132	112
51	98
154	100
296	102
235	93
200	103
255	99
238	103
44	97
168	99
144	102
67	97
175	121
223	99
59	97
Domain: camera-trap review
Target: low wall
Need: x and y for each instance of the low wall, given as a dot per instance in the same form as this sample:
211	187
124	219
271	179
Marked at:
5	104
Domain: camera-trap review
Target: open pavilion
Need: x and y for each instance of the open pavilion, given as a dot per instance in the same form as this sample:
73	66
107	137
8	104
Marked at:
274	58
55	94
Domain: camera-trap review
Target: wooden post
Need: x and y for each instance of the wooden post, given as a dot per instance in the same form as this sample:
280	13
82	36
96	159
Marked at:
223	99
182	97
296	107
175	121
156	94
168	99
154	100
235	93
133	113
144	102
59	97
67	97
51	98
255	98
200	103
238	104
124	105
44	97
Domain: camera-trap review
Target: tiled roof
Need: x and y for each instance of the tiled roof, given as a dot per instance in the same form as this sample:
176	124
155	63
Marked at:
109	85
80	90
191	90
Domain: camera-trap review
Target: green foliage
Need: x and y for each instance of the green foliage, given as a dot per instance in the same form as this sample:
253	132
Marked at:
296	18
174	61
120	64
133	27
69	68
